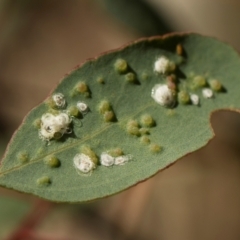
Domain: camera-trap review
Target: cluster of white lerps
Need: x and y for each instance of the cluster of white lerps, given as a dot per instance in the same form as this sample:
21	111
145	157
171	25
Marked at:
54	126
84	163
165	96
107	160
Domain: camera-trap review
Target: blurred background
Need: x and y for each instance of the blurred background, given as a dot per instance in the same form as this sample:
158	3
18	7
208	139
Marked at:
196	198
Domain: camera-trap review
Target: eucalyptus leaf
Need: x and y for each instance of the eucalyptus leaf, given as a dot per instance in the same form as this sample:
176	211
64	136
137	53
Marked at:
112	112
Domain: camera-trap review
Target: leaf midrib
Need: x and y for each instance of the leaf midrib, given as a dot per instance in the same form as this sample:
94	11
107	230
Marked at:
71	145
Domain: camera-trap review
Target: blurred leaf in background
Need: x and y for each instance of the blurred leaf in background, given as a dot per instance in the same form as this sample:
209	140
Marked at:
138	16
12	212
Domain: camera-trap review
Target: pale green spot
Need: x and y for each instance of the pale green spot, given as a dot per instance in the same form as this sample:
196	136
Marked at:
50	103
73	111
183	97
198	82
215	85
116	152
133	123
130	77
145	140
147	120
37	123
133	127
52	161
133	130
109	116
121	65
144	131
40	151
23	157
104	106
81	88
44	181
100	80
106	110
155	148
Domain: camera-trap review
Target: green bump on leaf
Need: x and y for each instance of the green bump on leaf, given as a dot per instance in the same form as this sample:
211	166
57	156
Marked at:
121	66
81	88
73	111
104	106
155	148
144	131
133	131
145	140
147	120
215	85
183	97
180	130
133	123
199	82
50	103
100	80
89	152
109	116
23	157
133	128
37	123
52	161
116	152
44	181
106	110
130	77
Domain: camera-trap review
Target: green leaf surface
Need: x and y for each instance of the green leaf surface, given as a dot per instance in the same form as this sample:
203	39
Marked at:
155	137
